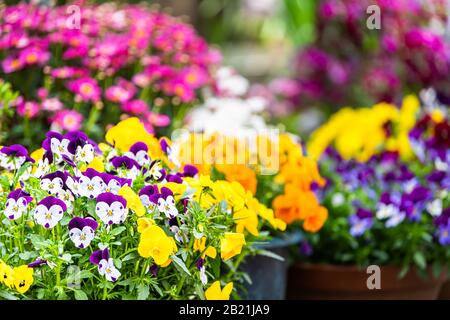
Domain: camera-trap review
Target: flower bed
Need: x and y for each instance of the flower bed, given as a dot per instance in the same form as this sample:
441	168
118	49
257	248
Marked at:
117	220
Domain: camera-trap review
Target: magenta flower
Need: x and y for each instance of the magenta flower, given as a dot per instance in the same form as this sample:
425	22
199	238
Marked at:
86	88
29	109
135	106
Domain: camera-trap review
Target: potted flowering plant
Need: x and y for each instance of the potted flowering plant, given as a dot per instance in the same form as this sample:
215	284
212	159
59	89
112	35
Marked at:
384	211
116	220
227	138
84	69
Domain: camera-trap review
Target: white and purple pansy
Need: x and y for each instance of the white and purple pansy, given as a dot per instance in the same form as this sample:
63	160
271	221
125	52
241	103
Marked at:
85	153
82	231
114	183
111	208
17	204
139	152
126	166
13	157
49	211
57	145
166	203
149	192
54	182
105	264
90	184
156	171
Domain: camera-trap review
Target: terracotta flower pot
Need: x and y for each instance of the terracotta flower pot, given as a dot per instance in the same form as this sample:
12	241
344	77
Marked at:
329	282
269	275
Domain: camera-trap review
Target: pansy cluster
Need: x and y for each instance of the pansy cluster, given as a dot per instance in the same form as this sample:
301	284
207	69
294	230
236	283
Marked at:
388	210
104	60
120	220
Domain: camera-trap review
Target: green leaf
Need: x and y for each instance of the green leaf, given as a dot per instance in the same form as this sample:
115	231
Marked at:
143	291
129	256
80	295
270	254
117	231
180	263
420	260
8	296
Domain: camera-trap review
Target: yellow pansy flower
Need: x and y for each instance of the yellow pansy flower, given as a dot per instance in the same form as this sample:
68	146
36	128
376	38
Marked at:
133	201
144	223
178	189
246	219
210	252
23	278
214	292
6	274
37	154
200	244
96	164
128	132
156	244
231	245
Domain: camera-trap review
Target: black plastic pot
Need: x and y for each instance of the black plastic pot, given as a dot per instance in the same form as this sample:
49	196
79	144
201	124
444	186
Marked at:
269	275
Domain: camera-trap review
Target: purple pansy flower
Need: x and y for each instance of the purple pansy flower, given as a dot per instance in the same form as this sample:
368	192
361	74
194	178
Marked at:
190	171
125	162
37	263
105	264
17	204
114	183
49	211
82	231
444	234
111	208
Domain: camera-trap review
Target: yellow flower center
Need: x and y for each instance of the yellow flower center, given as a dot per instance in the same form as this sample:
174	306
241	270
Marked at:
109	213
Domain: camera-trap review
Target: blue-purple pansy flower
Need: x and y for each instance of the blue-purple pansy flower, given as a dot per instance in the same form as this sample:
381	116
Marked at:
190	171
17	204
105	264
39	262
360	222
82	231
111	208
49	211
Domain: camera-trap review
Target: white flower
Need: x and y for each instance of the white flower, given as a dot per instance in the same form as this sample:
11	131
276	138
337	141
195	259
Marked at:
434	207
386	210
85	153
155	171
11	163
52	186
177	233
72	184
43	167
46	217
151	206
66	196
107	268
113	186
167	206
15	209
230	83
203	277
90	187
115	213
59	148
395	220
82	238
337	200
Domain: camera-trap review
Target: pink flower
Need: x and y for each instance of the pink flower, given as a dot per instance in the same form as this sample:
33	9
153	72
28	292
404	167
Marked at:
141	80
86	88
29	109
34	55
179	89
11	64
42	93
157	119
68	72
69	120
194	76
122	92
135	106
52	104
